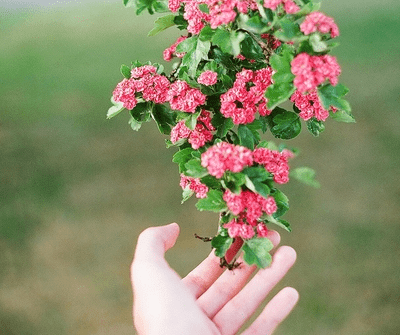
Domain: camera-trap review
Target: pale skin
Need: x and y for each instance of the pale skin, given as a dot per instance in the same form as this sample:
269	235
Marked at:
209	300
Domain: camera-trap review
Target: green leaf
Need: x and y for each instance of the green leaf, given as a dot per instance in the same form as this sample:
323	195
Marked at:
164	118
246	137
256	251
195	169
186	194
191	121
222	39
161	24
279	93
223	127
305	175
342	116
206	33
115	110
250	48
315	127
289	30
135	125
267	144
282	202
221	244
196	51
126	71
284	124
183	156
332	96
257	173
317	44
213	202
283	224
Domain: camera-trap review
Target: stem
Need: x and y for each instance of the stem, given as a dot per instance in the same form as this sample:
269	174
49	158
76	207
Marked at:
234	249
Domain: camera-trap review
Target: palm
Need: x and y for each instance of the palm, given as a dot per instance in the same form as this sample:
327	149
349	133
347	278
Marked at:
208	300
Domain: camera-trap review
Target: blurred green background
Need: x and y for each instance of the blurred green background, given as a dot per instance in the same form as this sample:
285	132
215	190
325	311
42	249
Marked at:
76	189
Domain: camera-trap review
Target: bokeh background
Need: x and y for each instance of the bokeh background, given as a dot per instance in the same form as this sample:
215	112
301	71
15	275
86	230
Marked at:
77	189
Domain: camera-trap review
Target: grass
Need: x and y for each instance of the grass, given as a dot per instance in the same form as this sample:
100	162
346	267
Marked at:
77	189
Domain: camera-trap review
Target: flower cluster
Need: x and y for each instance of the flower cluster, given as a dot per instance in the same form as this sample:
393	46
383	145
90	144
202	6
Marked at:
221	158
195	185
289	5
197	137
310	106
170	52
274	162
224	12
184	98
144	80
208	78
318	21
224	156
242	60
311	71
238	228
240	102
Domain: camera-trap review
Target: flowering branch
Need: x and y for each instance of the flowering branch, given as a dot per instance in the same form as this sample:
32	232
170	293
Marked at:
239	61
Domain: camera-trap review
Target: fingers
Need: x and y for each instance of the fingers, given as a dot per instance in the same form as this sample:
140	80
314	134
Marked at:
228	285
206	273
274	313
201	278
155	241
245	303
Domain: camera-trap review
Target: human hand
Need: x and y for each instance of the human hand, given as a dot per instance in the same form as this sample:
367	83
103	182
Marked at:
209	300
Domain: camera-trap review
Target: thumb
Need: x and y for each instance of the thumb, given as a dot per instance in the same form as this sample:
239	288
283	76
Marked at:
155	241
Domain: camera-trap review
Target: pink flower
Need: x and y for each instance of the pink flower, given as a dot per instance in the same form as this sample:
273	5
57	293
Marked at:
184	98
317	21
197	137
237	228
309	105
289	6
274	162
242	103
311	71
224	156
169	52
195	185
208	78
262	230
144	81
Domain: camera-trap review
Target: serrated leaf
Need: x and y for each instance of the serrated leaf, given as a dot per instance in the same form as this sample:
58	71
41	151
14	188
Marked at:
247	138
162	23
284	124
213	202
250	48
280	92
196	51
343	116
222	39
221	244
186	194
115	110
135	125
317	44
195	169
282	203
126	71
183	156
164	118
315	127
283	224
256	251
305	175
333	96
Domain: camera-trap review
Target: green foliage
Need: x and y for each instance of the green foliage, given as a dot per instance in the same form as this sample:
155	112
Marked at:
162	23
315	127
117	108
126	71
284	124
256	251
333	96
213	202
152	6
305	175
221	243
195	51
